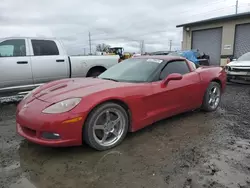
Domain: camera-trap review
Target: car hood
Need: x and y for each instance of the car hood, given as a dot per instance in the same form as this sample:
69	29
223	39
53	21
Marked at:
70	88
239	64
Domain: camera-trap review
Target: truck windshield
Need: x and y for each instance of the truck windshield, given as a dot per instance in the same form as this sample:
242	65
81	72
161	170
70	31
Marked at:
131	70
245	57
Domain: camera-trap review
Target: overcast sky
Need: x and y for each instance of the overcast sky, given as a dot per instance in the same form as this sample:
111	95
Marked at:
115	22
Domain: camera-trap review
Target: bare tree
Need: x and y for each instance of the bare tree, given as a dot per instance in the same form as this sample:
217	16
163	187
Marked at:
102	47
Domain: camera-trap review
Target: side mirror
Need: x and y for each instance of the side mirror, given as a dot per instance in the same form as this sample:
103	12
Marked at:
173	76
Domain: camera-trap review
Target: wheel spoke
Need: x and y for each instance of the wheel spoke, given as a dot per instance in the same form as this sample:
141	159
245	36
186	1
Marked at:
115	132
215	90
107	116
210	101
98	127
105	136
116	121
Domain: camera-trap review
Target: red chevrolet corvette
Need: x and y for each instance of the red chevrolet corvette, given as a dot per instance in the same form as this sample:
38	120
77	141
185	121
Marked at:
127	97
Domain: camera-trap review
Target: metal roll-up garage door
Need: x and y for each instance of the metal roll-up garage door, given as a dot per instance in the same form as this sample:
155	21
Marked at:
209	42
242	40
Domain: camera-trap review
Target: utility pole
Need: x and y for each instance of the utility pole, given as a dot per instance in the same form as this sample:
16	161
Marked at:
142	46
236	6
84	51
90	44
170	45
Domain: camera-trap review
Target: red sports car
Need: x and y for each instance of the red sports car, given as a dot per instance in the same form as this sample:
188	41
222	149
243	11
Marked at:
127	97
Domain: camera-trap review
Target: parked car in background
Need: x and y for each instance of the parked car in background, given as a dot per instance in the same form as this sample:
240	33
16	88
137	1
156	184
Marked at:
239	69
26	63
127	97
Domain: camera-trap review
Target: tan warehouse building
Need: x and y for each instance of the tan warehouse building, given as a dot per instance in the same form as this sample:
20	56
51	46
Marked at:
220	38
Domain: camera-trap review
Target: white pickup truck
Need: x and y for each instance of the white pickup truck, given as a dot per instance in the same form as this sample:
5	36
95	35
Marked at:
26	63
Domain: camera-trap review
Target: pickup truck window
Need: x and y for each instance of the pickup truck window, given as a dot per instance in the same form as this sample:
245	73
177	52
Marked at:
13	48
44	47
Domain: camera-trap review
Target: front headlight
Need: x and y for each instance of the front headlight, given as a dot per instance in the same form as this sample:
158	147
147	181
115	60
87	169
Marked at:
62	106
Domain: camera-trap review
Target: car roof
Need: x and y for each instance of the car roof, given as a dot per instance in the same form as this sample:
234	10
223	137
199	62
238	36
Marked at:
161	57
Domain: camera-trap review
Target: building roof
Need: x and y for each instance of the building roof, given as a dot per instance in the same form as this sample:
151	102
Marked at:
222	18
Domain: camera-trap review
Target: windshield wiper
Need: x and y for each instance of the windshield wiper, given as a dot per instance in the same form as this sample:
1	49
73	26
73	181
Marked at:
110	79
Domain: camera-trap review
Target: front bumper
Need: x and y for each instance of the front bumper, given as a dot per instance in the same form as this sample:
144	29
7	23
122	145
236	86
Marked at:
32	124
238	75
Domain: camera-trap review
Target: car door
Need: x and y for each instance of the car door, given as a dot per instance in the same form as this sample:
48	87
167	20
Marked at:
47	63
15	65
178	95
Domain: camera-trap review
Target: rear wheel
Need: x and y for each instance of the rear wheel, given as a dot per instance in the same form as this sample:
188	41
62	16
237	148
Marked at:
106	126
96	71
212	97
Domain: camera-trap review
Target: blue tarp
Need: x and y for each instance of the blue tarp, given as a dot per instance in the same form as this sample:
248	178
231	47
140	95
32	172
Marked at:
190	55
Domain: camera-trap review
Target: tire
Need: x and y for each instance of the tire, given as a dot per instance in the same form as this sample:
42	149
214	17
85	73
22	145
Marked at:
210	95
95	72
91	135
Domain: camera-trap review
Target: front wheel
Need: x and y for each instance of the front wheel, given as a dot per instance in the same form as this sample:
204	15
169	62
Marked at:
106	126
212	97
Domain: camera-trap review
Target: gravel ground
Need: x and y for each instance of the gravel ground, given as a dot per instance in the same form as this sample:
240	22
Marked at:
192	150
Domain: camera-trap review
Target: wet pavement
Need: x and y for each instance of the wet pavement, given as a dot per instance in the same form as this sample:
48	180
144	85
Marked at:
191	150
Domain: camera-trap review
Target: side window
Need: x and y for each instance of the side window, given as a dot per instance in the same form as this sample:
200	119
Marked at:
13	48
180	67
44	47
193	65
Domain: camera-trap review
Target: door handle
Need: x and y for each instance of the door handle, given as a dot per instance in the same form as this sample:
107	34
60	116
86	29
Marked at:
60	60
22	62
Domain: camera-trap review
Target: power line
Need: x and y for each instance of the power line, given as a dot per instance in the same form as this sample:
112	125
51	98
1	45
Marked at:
160	31
152	32
183	12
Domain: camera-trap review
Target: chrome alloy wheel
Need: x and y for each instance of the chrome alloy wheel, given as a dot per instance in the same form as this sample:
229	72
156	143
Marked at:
214	97
109	126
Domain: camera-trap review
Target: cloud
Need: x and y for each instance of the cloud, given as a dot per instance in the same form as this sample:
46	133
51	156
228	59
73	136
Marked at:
113	22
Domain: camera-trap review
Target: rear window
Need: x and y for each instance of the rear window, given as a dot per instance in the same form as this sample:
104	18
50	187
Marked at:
44	47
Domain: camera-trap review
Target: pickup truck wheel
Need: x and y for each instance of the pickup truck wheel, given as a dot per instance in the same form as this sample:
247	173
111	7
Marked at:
96	71
106	126
212	97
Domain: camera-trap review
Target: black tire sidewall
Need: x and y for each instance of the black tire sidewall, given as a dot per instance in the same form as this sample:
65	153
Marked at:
88	136
95	73
205	104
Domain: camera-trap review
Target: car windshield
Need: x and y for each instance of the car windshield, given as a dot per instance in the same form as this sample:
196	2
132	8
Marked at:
131	70
245	57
